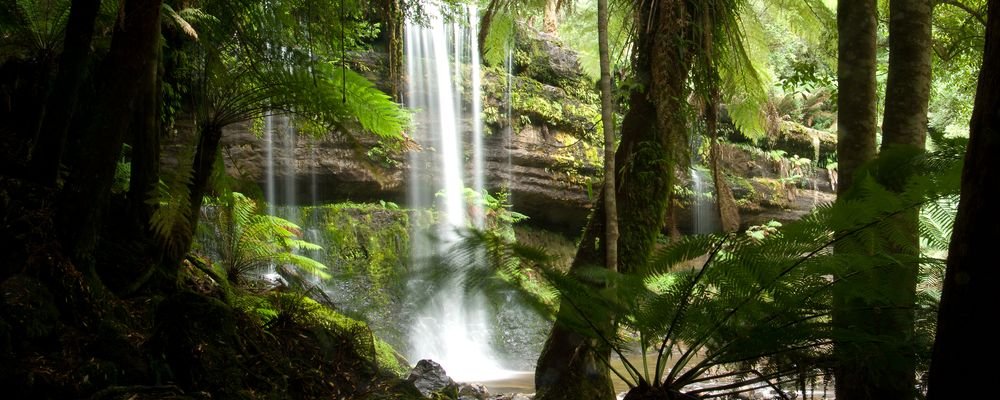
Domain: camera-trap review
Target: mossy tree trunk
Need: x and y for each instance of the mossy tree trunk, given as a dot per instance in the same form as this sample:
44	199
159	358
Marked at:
969	293
571	366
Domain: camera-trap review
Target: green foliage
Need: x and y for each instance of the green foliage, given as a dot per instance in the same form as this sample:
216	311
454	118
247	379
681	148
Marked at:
499	40
32	27
171	199
571	108
958	35
364	241
246	243
578	29
754	307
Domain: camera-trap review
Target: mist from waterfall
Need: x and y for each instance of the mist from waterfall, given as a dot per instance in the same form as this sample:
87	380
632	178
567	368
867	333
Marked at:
454	328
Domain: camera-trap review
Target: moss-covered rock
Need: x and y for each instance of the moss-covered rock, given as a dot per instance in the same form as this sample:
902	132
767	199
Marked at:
574	108
368	243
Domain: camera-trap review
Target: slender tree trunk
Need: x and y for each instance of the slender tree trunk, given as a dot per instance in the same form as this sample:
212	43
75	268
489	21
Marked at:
608	120
58	112
729	213
145	171
393	19
550	18
123	73
570	365
207	153
904	129
856	26
970	293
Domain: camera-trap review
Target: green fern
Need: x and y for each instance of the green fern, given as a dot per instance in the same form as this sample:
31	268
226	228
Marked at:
754	310
32	26
171	202
246	243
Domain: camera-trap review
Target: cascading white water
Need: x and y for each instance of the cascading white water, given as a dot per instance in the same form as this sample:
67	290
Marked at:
454	327
702	207
279	137
270	194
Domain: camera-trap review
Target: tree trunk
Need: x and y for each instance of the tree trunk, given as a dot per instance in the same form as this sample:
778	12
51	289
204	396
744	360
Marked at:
856	58
58	112
145	171
729	213
608	120
969	293
550	18
653	132
125	70
904	129
856	64
205	156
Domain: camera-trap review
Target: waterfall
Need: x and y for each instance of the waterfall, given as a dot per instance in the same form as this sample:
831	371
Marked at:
704	214
453	328
270	194
279	138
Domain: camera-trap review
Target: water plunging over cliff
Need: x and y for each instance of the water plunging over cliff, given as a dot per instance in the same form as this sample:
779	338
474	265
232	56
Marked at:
454	328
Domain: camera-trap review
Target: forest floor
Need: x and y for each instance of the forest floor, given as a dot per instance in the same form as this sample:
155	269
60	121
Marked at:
64	335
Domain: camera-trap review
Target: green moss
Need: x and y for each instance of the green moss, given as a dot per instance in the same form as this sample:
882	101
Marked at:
387	358
370	240
570	105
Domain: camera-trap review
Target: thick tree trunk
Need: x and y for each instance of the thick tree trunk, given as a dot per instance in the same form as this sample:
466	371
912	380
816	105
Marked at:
856	26
856	112
58	112
653	132
124	72
550	18
970	293
904	128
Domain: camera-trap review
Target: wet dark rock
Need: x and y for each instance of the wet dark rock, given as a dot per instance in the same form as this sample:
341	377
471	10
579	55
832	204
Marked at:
430	378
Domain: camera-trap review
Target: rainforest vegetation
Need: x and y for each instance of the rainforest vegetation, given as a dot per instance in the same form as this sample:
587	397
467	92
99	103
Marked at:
648	199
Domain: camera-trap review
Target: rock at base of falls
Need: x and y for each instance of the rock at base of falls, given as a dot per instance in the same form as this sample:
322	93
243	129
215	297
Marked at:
429	378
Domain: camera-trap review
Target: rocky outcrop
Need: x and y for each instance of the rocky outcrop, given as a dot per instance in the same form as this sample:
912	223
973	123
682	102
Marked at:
545	155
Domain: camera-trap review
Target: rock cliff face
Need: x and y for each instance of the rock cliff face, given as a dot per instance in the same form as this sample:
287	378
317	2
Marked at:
544	155
546	171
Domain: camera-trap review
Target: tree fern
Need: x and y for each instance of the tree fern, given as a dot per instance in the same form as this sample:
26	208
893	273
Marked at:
33	27
755	310
246	243
171	201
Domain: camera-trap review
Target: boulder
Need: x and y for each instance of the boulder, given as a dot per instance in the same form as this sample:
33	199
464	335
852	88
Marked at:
430	378
473	391
543	57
